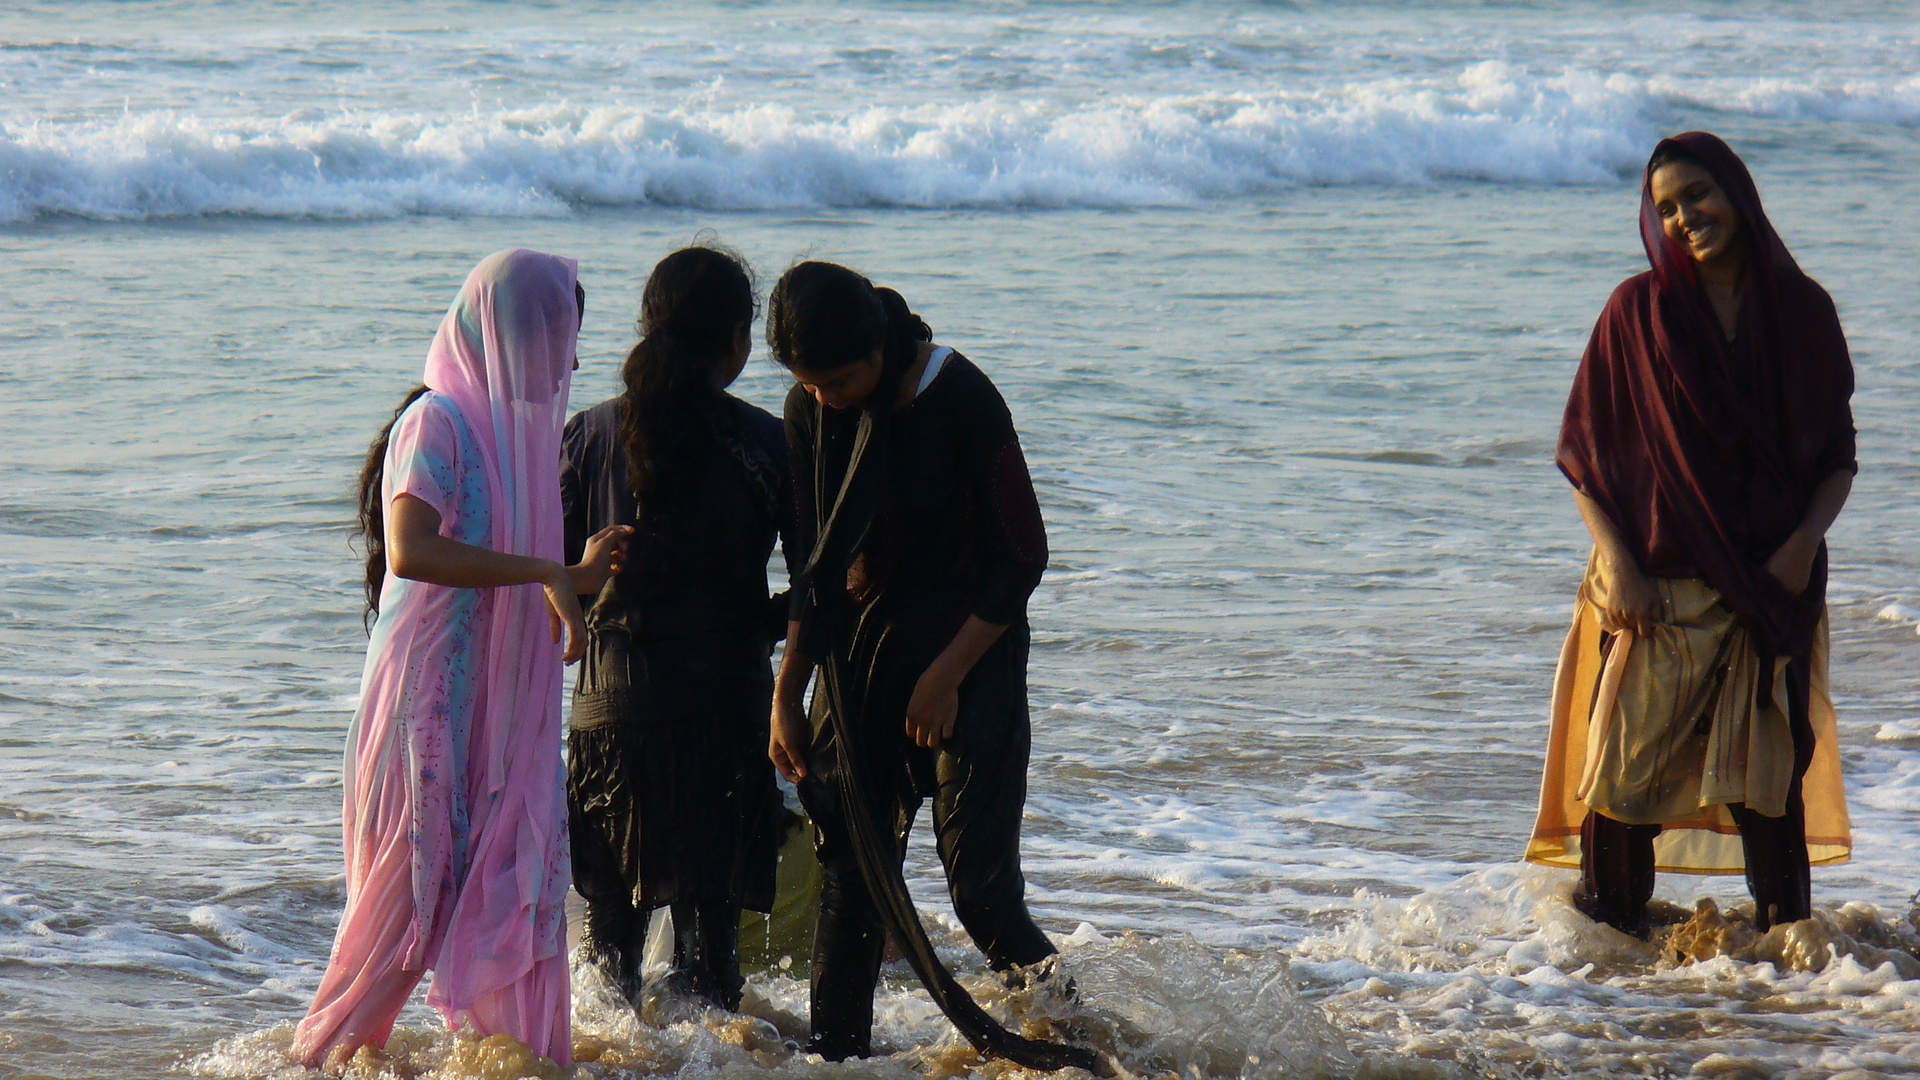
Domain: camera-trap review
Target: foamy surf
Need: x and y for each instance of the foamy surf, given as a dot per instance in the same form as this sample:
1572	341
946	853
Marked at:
1488	122
996	153
1494	976
1498	975
1166	1008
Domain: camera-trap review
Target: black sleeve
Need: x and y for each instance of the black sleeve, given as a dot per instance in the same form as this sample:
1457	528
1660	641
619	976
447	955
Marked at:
797	535
573	496
1840	449
1015	540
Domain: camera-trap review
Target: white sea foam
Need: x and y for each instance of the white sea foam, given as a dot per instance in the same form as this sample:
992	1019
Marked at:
1499	972
1906	730
1898	614
1896	786
1487	123
949	106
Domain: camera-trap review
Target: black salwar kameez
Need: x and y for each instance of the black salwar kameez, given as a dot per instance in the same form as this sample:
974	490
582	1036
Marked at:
957	532
671	797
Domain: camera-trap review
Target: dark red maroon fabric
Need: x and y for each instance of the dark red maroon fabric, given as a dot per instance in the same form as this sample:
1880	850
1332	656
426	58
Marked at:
1705	453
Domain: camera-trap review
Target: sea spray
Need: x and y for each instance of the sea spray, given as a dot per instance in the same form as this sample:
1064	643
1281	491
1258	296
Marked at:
1157	1008
1498	973
1486	123
547	159
1169	1006
1856	931
1513	918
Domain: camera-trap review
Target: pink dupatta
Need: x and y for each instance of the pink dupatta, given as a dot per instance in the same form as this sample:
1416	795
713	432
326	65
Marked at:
504	354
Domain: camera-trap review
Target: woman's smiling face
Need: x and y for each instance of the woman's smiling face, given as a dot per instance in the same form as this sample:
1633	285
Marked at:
1695	213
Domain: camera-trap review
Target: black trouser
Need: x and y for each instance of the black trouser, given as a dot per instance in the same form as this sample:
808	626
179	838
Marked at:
670	796
1617	861
706	945
978	783
604	815
605	842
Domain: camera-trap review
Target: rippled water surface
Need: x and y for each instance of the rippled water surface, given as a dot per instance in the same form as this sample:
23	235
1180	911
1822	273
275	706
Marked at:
1289	394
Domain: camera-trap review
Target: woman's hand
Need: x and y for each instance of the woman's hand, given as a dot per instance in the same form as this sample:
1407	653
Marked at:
606	553
564	620
1630	600
416	550
791	735
934	709
1792	565
1633	601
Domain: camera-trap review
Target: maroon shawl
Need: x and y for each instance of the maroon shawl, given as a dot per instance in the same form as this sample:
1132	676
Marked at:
1703	453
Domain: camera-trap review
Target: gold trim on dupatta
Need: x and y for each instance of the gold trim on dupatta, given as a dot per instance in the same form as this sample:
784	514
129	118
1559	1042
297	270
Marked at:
1681	733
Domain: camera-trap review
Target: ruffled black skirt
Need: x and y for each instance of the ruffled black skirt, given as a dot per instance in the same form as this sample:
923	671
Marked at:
670	794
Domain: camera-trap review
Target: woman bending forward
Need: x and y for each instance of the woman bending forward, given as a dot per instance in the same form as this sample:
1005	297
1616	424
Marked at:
923	541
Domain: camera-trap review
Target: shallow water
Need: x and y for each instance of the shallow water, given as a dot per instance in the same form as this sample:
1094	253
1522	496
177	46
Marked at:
1291	426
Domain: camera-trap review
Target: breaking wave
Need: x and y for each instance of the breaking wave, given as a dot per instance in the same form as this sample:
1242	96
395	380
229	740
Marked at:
1486	124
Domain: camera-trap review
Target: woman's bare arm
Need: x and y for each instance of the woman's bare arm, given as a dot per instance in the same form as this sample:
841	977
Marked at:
935	707
791	732
1635	602
417	551
1792	564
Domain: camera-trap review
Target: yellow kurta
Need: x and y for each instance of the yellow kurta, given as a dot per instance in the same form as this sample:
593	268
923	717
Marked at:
1668	730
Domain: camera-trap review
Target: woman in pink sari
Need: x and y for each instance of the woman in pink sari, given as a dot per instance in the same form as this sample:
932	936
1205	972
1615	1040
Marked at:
455	821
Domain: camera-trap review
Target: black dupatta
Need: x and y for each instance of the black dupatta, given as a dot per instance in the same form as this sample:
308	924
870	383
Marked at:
844	514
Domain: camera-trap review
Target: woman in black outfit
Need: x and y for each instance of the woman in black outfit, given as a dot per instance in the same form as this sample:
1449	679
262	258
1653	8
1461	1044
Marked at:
922	539
671	802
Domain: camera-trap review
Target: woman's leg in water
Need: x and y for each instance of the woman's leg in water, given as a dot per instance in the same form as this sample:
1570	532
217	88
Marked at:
981	794
365	985
1778	873
533	1008
706	948
1616	872
604	830
849	936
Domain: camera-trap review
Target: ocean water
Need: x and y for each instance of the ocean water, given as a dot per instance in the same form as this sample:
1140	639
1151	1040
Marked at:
1285	299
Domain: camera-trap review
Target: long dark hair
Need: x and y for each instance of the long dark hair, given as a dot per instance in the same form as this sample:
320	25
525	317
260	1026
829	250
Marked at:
822	316
372	526
695	302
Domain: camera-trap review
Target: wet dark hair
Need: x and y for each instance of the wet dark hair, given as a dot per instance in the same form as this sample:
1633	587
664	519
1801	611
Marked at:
823	316
372	526
694	303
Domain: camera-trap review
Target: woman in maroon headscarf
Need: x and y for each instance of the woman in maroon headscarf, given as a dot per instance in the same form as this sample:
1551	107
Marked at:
1710	445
